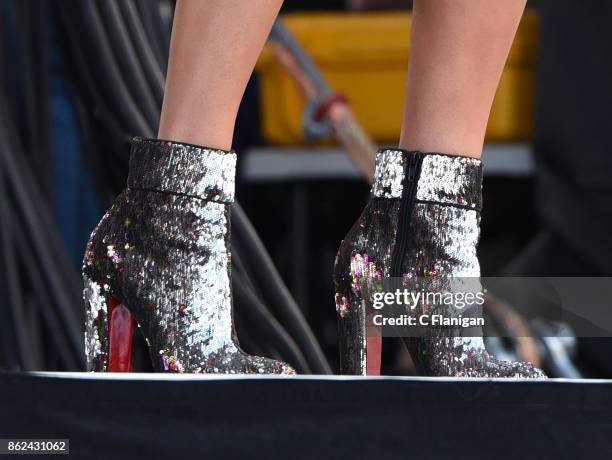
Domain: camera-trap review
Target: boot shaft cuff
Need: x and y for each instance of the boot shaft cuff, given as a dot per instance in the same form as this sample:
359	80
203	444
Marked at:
184	169
441	178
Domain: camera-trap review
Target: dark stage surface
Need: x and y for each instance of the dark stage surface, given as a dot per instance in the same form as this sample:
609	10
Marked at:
162	416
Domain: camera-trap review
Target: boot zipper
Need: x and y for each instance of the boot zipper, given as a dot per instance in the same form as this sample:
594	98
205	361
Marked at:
411	177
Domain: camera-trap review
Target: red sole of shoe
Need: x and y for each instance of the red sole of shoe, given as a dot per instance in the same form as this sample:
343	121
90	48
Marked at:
374	351
121	331
373	347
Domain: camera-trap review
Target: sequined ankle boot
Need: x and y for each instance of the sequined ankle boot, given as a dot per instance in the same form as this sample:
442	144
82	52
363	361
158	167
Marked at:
421	222
160	259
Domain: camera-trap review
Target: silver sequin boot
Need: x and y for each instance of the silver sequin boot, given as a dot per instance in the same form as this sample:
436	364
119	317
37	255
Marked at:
160	259
421	223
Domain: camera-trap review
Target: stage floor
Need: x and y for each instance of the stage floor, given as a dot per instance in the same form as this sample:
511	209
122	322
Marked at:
181	416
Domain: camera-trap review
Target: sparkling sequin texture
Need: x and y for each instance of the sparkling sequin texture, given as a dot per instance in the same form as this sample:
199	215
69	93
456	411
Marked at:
173	167
442	235
163	250
450	179
388	174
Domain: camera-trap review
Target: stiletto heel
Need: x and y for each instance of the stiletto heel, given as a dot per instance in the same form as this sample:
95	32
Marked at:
421	222
121	331
360	342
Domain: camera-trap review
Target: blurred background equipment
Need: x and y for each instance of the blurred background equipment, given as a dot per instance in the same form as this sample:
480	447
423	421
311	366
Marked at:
79	79
325	112
365	58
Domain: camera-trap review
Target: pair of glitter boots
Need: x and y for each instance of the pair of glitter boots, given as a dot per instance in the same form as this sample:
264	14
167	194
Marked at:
160	259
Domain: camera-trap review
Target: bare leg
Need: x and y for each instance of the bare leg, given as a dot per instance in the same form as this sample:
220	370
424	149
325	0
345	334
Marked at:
214	48
458	52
